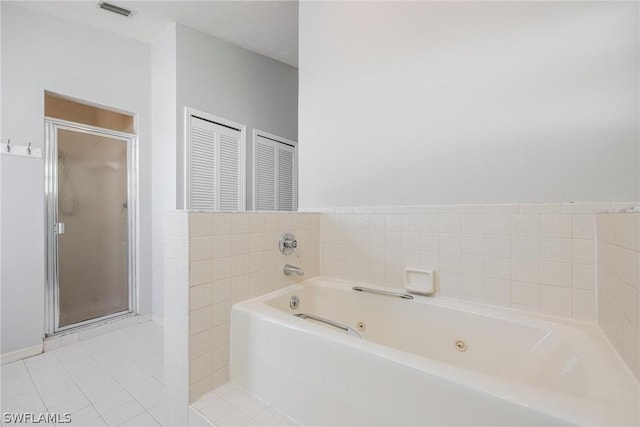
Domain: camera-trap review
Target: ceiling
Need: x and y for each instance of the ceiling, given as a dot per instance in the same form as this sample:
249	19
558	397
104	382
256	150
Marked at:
266	27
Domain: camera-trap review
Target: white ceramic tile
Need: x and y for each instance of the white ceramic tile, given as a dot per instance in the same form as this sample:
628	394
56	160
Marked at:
472	287
450	223
498	246
525	294
429	223
584	277
243	401
630	267
110	403
450	263
142	420
498	291
473	265
498	224
199	296
471	244
221	224
222	268
555	273
221	246
552	249
267	417
524	270
498	268
200	367
472	224
526	225
240	223
555	300
525	248
234	418
555	225
200	248
200	320
217	409
583	251
583	302
124	413
583	226
449	243
199	225
199	272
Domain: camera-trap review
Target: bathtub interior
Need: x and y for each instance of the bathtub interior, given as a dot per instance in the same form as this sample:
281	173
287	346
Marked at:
543	354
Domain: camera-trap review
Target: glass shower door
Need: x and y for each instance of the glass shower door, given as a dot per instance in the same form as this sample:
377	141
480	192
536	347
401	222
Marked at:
92	227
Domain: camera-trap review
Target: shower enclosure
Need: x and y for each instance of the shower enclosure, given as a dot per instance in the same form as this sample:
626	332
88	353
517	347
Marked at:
90	175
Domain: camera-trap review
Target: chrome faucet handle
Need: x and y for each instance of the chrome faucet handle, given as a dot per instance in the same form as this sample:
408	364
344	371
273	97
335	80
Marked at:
288	243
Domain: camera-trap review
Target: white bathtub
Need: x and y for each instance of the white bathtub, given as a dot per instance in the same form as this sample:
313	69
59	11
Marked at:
406	369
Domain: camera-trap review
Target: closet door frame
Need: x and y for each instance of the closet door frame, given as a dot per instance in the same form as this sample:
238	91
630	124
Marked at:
192	112
257	133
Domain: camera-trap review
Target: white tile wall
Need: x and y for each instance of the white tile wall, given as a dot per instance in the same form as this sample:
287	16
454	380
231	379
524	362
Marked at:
619	284
176	312
233	257
537	257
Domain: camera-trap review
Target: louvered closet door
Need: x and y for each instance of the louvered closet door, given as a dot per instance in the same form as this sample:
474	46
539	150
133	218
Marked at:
229	169
286	177
275	175
265	175
215	166
202	172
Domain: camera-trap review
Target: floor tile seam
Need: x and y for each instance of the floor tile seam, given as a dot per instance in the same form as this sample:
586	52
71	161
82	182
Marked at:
78	385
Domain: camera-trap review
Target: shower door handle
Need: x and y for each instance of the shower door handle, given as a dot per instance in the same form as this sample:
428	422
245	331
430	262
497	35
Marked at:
59	228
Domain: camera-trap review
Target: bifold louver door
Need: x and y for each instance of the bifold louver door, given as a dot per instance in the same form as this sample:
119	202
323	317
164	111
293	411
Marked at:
214	171
275	175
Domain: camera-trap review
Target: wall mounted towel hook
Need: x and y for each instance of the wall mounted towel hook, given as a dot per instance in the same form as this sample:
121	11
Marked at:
9	145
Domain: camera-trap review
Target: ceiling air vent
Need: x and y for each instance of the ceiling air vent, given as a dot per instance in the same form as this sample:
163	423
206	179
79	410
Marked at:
115	9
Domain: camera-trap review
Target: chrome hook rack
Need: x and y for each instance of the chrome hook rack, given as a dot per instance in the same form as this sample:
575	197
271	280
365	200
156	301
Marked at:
22	150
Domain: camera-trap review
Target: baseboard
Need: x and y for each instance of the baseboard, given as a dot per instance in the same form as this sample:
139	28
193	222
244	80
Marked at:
23	353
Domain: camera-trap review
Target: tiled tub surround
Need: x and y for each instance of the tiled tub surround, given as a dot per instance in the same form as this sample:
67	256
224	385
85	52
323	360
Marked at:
535	257
619	284
212	261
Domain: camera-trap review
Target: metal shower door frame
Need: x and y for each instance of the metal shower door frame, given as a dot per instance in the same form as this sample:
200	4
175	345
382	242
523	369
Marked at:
52	290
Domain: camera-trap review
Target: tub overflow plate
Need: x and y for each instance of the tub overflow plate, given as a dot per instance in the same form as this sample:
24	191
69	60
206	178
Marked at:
461	345
294	302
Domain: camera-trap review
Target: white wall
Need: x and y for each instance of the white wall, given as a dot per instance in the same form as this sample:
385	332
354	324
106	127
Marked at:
463	102
163	116
41	52
236	84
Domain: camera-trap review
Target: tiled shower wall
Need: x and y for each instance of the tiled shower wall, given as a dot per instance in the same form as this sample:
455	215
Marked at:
619	284
230	257
536	257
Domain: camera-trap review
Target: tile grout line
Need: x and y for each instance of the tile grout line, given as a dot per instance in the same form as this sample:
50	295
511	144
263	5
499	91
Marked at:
76	383
123	387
